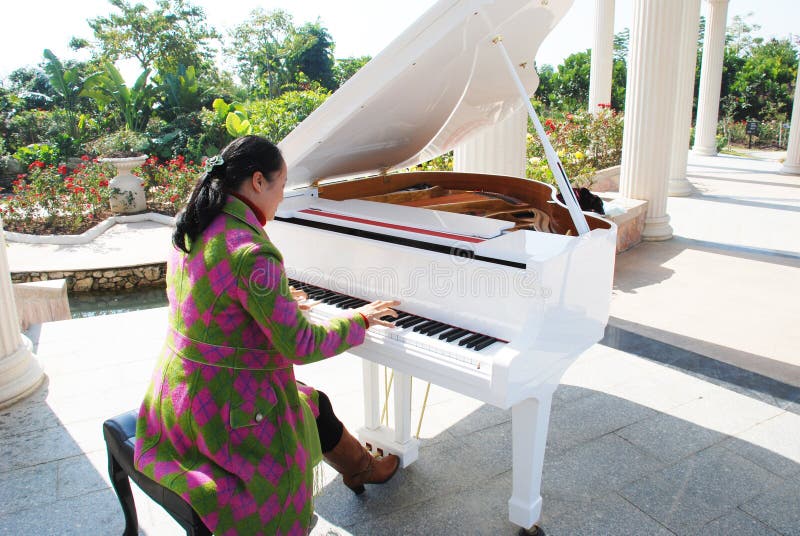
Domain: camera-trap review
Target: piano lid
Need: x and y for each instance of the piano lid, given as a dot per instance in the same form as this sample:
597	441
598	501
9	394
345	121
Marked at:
438	83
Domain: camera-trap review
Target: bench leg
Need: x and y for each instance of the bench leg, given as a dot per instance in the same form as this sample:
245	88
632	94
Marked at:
123	488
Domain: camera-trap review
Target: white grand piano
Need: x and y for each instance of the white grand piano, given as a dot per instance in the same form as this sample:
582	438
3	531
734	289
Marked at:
500	291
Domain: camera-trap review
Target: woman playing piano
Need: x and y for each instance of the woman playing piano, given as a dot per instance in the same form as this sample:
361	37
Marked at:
224	423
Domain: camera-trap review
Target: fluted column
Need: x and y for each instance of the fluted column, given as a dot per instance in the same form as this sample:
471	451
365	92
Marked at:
19	371
791	166
687	61
649	106
602	55
498	150
705	138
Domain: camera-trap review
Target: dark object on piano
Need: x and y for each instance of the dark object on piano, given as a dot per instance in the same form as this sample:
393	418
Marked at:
587	200
119	434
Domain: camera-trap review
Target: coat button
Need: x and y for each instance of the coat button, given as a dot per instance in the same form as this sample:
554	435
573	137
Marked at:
259	417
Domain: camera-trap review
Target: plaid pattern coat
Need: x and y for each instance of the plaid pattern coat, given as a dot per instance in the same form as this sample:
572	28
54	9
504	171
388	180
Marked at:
224	423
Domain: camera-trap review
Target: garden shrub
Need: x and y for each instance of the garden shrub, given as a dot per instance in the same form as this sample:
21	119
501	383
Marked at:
120	143
40	152
276	118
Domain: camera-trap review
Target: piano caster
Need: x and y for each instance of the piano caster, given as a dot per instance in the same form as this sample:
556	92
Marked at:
535	530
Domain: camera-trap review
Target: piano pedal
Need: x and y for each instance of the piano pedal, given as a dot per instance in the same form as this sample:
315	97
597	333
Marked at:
535	530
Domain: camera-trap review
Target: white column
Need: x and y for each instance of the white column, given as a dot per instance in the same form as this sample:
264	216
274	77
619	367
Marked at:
791	166
19	372
602	55
705	137
687	61
497	150
649	106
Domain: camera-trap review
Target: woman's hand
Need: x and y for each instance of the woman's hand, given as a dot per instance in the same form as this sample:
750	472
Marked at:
301	296
376	310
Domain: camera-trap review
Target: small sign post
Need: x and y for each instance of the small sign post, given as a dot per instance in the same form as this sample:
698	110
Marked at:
750	129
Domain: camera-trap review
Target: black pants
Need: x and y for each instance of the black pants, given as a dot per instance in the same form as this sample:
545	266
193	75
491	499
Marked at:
329	426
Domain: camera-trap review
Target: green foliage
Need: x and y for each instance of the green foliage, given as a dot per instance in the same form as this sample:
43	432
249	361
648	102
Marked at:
344	68
37	152
168	183
132	106
119	143
764	82
180	93
174	33
275	118
311	53
67	82
238	125
31	86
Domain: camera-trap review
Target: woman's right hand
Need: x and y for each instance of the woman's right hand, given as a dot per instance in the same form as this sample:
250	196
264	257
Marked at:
376	310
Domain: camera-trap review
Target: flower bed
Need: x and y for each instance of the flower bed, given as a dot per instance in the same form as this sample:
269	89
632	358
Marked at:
58	200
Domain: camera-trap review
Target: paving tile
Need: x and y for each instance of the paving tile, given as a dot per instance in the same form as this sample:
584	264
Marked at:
773	444
668	438
778	507
608	515
94	513
726	412
83	474
591	417
699	489
594	469
30	486
38	447
735	522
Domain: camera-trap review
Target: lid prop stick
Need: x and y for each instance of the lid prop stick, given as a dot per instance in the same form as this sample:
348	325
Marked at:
578	218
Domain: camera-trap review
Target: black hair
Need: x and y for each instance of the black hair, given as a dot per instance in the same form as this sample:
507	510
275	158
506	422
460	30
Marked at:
239	160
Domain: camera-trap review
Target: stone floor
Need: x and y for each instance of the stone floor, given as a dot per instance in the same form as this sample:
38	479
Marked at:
684	419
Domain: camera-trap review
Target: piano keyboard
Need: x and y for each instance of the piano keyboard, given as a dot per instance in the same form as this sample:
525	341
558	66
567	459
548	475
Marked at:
438	337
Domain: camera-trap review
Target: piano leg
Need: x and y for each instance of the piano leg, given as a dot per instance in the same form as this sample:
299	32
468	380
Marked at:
529	421
381	439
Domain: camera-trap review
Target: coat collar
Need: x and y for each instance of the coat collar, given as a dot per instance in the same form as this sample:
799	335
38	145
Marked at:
239	210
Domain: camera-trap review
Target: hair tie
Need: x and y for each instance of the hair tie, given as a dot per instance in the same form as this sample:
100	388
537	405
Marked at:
213	162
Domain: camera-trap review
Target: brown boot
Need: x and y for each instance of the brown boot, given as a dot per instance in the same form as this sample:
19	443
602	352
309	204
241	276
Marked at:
357	466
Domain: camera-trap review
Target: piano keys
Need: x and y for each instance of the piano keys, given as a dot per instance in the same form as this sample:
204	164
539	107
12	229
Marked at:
499	292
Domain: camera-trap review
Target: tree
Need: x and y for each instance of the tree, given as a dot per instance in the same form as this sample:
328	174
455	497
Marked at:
259	48
310	52
345	68
67	82
33	87
174	33
764	81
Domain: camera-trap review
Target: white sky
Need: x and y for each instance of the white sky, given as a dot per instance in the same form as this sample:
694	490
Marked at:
358	27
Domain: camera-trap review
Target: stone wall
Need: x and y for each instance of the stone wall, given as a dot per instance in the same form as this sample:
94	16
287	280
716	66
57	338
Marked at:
150	275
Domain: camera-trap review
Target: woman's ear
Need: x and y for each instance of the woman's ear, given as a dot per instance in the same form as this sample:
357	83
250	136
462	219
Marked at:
259	181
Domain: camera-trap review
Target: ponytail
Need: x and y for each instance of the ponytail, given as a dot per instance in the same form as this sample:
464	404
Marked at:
237	162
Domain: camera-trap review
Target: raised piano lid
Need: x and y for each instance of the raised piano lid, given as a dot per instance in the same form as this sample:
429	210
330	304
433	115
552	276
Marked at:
441	81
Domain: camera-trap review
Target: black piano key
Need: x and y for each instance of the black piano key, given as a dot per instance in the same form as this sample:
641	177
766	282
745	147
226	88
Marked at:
481	345
474	342
424	325
401	315
347	304
410	321
436	330
467	340
337	298
388	318
457	334
430	327
449	332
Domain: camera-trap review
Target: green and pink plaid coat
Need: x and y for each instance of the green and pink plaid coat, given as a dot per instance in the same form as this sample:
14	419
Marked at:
224	423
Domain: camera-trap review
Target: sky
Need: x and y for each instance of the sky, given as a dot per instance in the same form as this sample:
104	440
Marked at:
358	27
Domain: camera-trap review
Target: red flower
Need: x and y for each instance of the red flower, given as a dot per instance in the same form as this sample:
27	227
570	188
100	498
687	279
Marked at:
570	117
103	183
62	169
21	176
79	189
173	198
36	164
85	158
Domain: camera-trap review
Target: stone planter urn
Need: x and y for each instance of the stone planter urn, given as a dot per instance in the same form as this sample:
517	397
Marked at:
127	195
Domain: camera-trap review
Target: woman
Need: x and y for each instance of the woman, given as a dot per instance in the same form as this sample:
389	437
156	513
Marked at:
224	423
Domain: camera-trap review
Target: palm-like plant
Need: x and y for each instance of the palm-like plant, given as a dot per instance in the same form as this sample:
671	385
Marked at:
133	105
68	85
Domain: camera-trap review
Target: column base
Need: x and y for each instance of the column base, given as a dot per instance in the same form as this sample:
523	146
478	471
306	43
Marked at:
705	151
679	187
20	374
790	169
657	229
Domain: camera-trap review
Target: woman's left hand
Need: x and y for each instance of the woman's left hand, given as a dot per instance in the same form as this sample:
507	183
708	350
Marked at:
301	296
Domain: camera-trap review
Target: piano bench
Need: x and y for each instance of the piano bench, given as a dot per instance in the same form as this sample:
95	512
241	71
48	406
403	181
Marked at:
119	433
